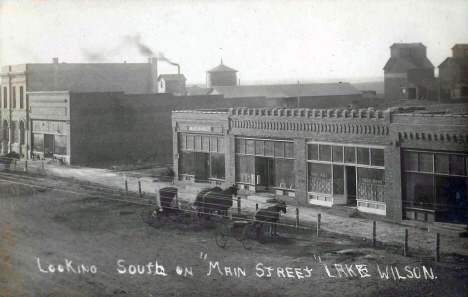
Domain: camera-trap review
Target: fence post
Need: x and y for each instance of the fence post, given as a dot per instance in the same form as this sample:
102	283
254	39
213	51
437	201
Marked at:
319	218
139	187
374	234
15	164
238	204
42	164
126	187
405	252
297	217
256	206
437	255
26	165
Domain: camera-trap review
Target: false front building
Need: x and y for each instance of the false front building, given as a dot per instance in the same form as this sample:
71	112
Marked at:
399	165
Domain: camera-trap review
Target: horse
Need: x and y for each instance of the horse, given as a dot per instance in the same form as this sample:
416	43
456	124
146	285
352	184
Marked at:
215	199
7	159
269	215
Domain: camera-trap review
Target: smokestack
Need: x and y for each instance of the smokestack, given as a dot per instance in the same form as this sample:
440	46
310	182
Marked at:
154	74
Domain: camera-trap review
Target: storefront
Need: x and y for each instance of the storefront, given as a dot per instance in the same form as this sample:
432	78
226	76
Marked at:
346	174
265	165
49	140
435	186
202	158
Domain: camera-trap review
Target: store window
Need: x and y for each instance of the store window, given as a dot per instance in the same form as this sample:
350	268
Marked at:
377	157
38	143
217	166
284	173
187	163
60	145
338	154
350	154
320	178
338	180
371	184
245	169
363	155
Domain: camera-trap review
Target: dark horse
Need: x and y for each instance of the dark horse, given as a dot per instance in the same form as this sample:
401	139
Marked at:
8	159
215	199
269	215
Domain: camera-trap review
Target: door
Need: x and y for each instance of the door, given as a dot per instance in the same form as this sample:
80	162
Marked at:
48	145
202	167
261	173
351	184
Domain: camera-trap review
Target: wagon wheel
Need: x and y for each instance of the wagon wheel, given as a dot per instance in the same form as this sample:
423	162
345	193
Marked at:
152	216
221	235
249	235
237	230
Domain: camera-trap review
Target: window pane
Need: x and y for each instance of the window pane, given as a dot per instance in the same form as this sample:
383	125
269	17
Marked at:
269	148
320	178
245	169
284	173
325	152
279	149
213	144
250	147
217	166
377	157
457	166
312	151
38	144
338	180
363	155
205	143
425	162
338	154
189	142
240	146
259	147
442	163
350	154
410	161
419	190
60	145
186	165
183	142
371	184
197	143
289	149
221	145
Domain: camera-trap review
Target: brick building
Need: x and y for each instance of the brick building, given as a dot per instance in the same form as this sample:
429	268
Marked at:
390	163
18	80
408	73
453	73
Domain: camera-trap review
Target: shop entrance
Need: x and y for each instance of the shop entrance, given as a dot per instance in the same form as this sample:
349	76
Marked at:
202	167
264	174
351	185
48	145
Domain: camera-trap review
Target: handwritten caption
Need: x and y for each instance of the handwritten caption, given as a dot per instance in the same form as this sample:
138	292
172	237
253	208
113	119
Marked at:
261	270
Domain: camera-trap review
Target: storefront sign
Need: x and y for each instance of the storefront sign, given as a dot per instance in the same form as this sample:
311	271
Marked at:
199	128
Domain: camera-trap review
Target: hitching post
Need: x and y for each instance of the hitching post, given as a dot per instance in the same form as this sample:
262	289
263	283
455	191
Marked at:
374	234
238	204
26	166
139	187
319	218
437	255
126	187
406	243
297	217
256	206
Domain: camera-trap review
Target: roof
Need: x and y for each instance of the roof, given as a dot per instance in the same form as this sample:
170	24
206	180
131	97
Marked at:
403	64
196	91
222	68
462	62
287	91
462	45
408	45
172	77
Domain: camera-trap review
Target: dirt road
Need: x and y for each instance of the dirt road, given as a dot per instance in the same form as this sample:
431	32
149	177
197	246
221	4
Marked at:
80	235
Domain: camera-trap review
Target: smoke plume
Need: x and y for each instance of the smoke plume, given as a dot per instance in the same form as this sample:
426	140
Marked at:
145	50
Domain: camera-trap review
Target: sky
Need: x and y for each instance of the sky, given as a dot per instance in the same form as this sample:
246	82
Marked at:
266	41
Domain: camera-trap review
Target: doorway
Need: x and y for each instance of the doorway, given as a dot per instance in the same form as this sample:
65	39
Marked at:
48	145
264	174
202	167
351	185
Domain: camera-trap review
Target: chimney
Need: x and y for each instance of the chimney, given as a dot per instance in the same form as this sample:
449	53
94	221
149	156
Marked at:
154	74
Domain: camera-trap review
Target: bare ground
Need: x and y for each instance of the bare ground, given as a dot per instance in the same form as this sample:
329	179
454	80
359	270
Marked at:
55	226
